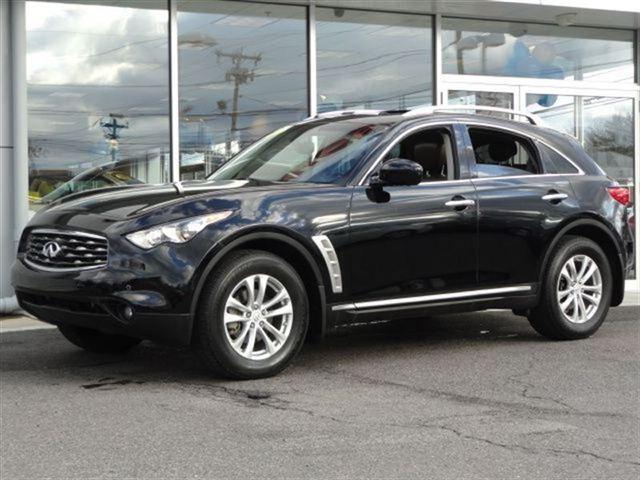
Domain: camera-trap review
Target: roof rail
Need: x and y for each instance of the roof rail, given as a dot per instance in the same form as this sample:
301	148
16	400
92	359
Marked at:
426	110
353	111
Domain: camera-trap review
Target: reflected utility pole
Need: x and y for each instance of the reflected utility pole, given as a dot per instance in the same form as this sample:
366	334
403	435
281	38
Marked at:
110	127
239	75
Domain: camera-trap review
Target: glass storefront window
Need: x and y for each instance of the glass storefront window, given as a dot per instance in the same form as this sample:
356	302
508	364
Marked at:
481	98
607	135
557	111
604	128
242	74
372	60
97	87
484	47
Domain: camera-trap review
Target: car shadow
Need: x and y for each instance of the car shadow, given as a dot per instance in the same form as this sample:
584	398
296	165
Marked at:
155	363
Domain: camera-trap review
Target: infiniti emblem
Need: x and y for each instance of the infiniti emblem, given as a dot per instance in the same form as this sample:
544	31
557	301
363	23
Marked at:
51	249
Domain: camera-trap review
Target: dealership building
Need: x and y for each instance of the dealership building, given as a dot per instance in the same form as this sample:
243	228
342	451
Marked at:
96	93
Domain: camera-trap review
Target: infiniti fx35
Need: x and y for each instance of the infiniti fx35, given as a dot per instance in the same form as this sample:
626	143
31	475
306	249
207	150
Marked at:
329	222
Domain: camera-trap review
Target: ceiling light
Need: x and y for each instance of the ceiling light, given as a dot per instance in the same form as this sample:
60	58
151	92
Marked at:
566	19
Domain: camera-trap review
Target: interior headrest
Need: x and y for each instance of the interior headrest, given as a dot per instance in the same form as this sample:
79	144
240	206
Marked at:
429	155
502	151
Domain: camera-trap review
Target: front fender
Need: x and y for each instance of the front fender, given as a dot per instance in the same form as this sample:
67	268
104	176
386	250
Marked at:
249	235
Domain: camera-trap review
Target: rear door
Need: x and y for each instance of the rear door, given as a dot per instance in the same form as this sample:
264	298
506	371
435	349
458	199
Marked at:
521	205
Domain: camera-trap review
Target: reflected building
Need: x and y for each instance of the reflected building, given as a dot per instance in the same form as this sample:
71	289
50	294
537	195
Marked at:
154	91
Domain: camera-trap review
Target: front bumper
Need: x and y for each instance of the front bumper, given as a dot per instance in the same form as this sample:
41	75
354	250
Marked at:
97	314
108	300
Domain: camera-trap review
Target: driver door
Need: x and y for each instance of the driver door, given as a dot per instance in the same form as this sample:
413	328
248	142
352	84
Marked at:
424	239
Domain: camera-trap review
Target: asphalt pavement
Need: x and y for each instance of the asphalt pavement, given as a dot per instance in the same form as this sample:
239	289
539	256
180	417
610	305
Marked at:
451	397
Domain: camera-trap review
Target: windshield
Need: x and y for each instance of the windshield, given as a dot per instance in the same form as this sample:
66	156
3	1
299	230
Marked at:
308	152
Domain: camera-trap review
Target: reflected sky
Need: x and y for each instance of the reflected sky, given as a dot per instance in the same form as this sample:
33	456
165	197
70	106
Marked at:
373	59
88	64
84	63
242	72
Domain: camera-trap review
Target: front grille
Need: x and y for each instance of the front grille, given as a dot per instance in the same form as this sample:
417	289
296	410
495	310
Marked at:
65	250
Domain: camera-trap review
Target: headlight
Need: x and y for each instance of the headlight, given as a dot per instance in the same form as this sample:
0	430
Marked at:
176	232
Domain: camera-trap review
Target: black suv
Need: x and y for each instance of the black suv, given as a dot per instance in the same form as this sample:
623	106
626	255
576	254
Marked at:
340	219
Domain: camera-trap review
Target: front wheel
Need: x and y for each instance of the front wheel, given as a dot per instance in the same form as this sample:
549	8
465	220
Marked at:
576	293
252	317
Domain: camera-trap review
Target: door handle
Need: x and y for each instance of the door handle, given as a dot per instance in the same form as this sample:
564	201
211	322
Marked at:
461	203
555	197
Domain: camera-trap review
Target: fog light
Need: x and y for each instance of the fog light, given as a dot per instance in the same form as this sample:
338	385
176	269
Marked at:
127	313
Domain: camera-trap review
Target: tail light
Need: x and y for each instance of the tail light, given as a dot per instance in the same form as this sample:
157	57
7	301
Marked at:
620	194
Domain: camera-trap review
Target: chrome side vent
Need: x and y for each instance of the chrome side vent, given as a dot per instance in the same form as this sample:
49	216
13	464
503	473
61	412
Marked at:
331	259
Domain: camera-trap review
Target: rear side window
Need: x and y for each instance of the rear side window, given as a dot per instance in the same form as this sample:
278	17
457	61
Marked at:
500	154
555	162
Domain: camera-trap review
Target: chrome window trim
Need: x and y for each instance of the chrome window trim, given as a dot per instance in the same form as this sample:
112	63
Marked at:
430	298
439	124
331	261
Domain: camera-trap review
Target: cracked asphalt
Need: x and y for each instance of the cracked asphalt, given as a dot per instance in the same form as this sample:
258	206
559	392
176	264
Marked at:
451	397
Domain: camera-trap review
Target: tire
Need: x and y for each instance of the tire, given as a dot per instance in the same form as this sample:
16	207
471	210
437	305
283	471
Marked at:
558	316
222	343
97	342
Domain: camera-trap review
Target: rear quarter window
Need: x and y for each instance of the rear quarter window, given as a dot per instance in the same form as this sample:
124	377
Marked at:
554	162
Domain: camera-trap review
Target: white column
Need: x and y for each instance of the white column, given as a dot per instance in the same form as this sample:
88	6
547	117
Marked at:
20	126
174	92
438	91
311	64
6	152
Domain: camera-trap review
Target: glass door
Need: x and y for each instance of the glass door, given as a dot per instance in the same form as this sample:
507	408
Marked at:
486	96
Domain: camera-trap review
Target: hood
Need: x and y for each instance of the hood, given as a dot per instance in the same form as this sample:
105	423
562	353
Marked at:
126	202
129	201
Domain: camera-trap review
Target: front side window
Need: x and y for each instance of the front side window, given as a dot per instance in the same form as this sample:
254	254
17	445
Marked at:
315	152
432	149
500	154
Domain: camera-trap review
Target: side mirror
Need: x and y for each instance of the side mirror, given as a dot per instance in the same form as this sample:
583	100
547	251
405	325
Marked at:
394	172
400	171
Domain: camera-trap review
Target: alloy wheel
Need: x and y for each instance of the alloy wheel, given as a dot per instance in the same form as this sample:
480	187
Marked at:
258	316
579	288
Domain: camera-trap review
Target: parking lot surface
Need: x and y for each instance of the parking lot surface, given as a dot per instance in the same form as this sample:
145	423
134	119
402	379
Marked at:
467	396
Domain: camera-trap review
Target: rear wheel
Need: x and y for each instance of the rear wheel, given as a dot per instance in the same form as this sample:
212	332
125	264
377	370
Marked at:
97	342
253	316
576	293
